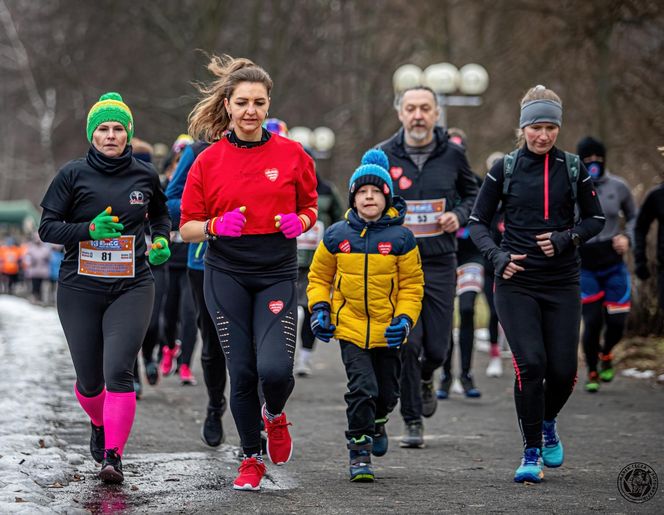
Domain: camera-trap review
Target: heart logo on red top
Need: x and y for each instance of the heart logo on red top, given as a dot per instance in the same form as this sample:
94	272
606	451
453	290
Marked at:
344	247
405	183
272	174
384	247
276	306
396	172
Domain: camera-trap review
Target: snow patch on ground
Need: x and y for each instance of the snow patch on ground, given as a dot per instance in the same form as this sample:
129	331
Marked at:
34	357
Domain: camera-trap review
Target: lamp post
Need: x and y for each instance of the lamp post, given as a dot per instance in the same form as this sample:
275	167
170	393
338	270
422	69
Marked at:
472	80
320	140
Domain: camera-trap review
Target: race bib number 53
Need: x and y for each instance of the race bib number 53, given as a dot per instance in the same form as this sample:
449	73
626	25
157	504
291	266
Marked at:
422	217
112	258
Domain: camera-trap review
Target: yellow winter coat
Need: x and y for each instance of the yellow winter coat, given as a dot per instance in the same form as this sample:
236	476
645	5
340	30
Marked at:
369	273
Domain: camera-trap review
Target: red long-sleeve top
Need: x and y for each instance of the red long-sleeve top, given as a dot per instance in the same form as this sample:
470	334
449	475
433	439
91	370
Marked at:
275	178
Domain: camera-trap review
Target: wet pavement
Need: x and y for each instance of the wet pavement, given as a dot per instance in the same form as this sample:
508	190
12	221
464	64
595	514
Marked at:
472	448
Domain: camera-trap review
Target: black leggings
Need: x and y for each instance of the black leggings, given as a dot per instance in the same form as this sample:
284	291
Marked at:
256	320
488	293
466	334
104	332
153	336
428	342
542	327
212	357
594	316
306	333
179	312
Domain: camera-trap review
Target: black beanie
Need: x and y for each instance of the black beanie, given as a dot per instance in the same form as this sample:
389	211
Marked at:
589	146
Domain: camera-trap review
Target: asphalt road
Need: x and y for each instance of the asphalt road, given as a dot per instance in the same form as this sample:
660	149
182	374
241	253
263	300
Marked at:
472	449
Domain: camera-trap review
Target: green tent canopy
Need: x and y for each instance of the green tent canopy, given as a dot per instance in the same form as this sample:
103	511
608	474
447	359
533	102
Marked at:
19	213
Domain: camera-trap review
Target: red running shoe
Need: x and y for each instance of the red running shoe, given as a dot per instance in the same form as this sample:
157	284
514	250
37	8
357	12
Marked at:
169	363
279	442
186	377
251	472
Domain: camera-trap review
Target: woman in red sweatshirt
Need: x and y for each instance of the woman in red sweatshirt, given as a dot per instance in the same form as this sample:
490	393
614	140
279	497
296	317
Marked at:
250	194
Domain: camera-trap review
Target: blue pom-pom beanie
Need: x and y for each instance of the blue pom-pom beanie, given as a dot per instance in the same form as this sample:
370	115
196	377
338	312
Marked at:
372	170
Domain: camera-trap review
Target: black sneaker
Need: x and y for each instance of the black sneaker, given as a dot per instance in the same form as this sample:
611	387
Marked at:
97	443
111	467
212	431
429	400
152	372
413	437
469	386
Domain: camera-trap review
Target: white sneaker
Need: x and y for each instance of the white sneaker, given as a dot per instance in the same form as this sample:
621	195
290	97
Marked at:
495	368
303	368
456	387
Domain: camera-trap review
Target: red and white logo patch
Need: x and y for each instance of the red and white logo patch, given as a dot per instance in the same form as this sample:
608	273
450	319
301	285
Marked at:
396	172
344	247
405	183
384	247
272	174
276	306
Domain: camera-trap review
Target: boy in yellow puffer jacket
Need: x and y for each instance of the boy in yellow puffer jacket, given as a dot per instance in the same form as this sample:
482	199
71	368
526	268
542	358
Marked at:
369	265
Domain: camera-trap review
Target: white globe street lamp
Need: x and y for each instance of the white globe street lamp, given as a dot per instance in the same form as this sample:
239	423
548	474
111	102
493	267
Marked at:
303	135
321	140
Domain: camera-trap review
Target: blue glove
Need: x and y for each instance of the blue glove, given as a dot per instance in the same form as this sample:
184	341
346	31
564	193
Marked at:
398	330
321	325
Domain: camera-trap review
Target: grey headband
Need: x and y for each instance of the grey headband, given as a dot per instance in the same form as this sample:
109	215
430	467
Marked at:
541	111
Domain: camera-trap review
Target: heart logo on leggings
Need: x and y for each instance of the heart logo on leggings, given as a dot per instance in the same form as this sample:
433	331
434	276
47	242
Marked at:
276	306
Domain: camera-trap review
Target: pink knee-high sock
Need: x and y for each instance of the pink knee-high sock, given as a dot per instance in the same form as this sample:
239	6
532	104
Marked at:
119	411
93	406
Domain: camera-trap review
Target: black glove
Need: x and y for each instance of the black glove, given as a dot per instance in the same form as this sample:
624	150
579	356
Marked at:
560	240
398	330
642	271
500	260
321	324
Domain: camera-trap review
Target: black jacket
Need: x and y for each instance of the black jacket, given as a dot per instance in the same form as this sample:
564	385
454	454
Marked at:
652	209
536	203
446	174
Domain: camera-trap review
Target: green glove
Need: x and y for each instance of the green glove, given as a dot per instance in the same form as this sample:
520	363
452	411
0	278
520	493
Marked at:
159	253
105	226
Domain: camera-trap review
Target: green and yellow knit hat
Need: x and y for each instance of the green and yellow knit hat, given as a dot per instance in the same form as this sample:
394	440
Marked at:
110	108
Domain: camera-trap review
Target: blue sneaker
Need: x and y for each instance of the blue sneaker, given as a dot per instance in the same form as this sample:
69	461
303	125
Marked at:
530	469
552	450
380	441
360	459
443	391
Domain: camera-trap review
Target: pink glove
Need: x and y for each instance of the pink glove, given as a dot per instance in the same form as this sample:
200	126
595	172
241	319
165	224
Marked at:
230	224
289	224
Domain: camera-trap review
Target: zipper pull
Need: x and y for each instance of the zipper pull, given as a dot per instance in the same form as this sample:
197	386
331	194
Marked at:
364	231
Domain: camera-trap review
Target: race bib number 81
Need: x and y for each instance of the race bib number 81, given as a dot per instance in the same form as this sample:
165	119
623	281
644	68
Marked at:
112	258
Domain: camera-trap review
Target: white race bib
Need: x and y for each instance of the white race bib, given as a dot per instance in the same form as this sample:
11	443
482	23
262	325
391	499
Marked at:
422	217
309	240
112	258
470	277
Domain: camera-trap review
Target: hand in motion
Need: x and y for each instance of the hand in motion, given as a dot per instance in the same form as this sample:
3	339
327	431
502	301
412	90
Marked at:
321	324
230	224
105	226
449	222
398	330
512	268
620	244
545	243
159	253
289	224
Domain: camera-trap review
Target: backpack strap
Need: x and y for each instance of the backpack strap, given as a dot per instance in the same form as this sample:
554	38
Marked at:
573	164
509	163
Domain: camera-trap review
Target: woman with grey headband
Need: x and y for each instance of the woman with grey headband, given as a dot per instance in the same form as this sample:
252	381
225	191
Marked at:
537	270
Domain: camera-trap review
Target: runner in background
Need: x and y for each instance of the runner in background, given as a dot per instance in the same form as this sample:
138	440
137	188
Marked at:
495	366
96	207
470	282
250	194
537	270
435	179
605	280
213	362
